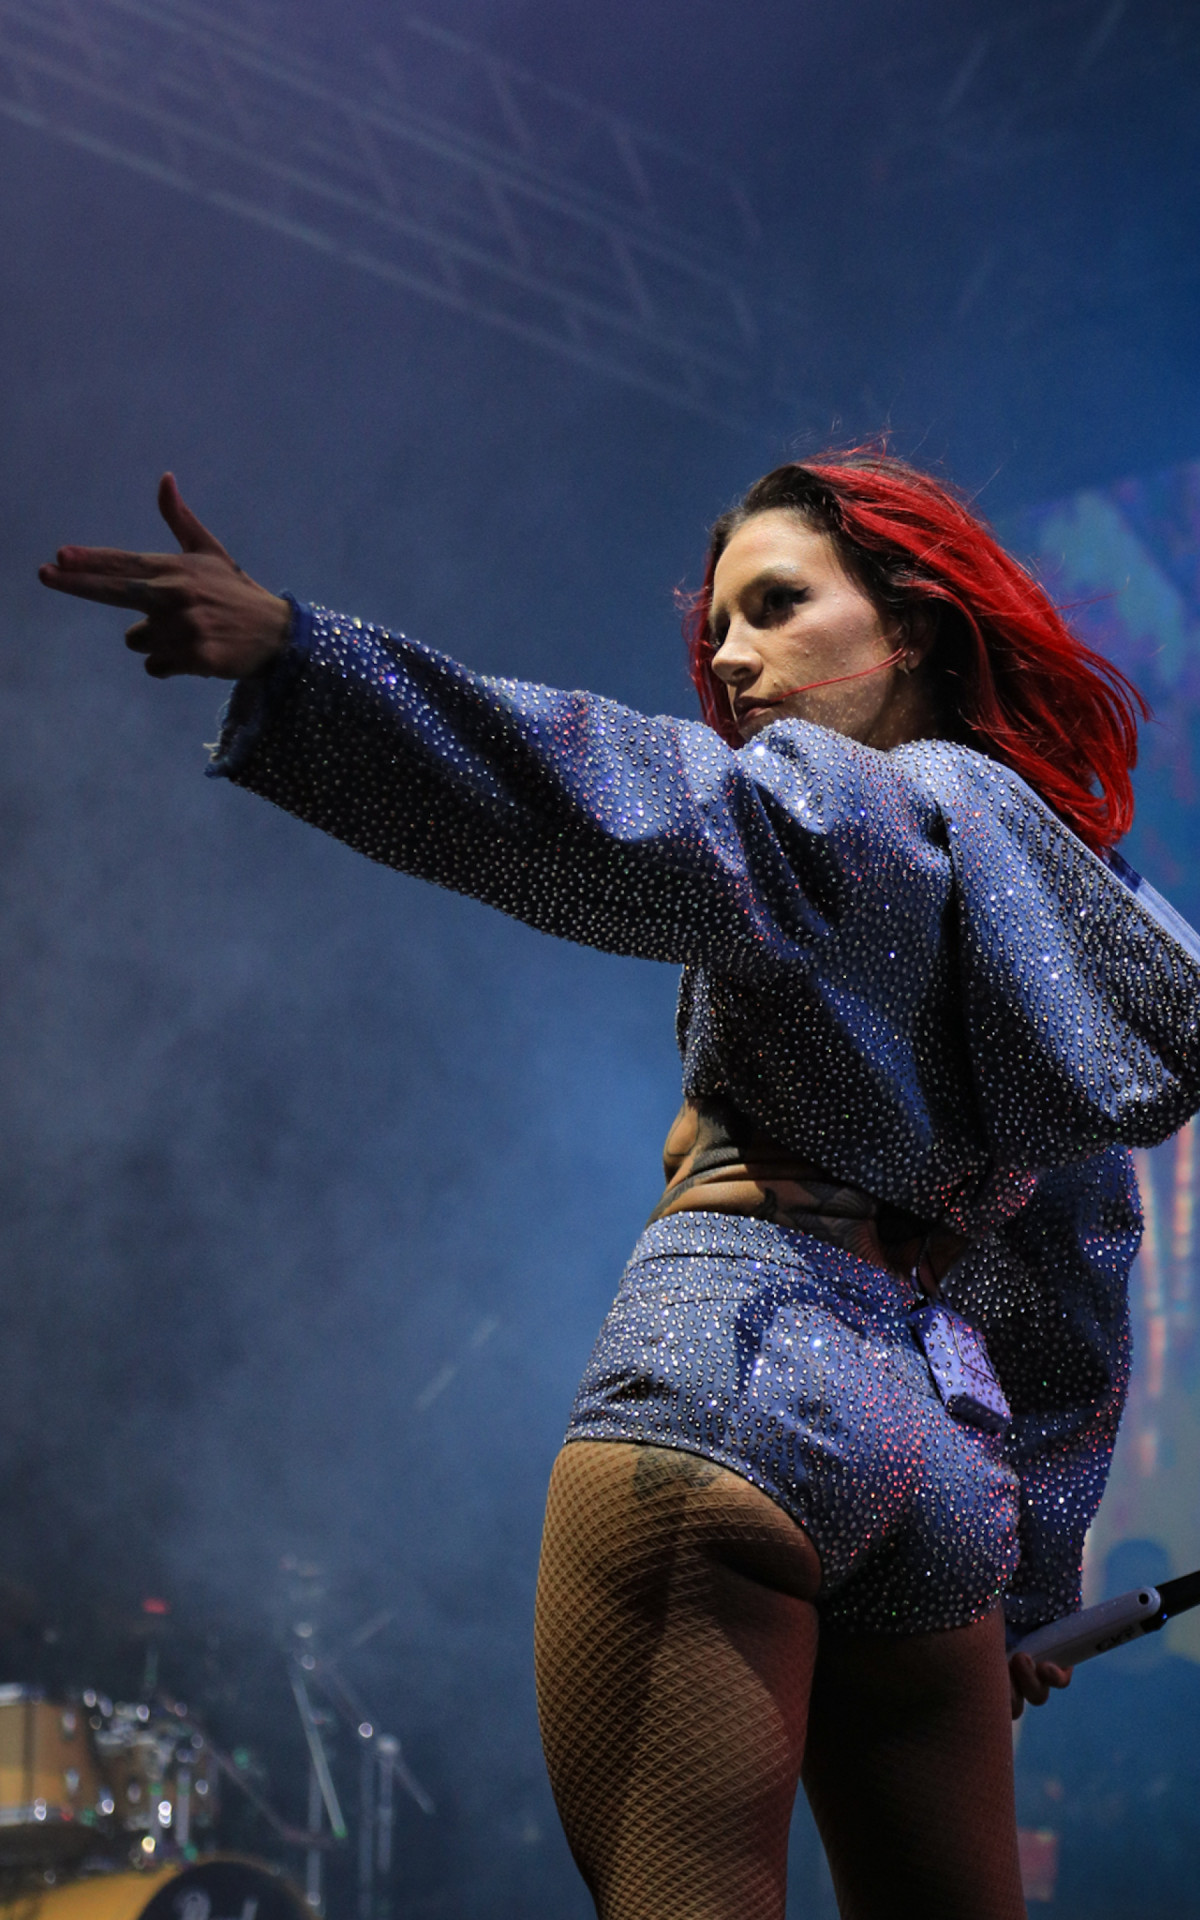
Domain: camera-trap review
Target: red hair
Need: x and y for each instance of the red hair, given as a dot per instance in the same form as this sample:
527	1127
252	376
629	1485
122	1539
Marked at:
1014	681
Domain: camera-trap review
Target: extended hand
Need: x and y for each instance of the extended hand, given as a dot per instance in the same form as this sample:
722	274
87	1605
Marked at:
1031	1680
201	613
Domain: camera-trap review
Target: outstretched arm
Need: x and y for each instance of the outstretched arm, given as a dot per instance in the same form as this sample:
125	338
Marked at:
200	612
586	819
853	871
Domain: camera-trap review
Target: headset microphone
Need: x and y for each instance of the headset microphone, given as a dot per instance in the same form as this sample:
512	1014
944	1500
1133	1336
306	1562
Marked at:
862	674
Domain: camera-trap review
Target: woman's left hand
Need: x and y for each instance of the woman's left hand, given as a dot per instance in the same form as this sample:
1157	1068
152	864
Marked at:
1031	1680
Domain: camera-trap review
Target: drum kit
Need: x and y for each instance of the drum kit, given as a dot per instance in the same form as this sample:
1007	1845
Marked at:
83	1776
101	1808
109	1809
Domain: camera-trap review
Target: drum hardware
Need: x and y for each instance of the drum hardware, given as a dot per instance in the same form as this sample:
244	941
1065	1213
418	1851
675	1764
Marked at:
382	1765
161	1778
228	1767
152	1627
322	1794
387	1749
88	1781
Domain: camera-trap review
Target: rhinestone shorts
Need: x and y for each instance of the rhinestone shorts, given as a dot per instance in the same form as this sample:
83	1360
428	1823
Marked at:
792	1363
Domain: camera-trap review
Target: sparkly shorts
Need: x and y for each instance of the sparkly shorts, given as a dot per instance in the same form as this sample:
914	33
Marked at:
791	1363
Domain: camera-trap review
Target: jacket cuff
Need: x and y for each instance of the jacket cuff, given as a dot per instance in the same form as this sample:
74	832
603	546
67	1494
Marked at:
255	701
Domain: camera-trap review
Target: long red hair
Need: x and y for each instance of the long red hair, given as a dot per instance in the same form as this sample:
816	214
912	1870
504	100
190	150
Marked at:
1014	681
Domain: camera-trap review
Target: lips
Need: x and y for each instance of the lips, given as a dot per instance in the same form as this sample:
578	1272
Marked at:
750	709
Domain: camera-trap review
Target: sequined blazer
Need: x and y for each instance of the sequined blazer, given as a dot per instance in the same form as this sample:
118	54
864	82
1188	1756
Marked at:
901	965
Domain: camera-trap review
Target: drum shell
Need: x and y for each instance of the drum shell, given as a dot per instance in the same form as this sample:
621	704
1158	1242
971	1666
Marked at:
221	1887
50	1785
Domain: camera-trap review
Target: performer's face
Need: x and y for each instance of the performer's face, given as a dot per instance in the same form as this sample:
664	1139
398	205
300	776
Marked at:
785	613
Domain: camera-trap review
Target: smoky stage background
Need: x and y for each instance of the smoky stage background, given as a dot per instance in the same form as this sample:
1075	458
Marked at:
316	1182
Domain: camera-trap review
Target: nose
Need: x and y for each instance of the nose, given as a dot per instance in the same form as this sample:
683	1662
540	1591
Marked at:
737	660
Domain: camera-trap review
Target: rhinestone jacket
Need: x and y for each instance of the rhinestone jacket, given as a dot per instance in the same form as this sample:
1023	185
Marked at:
901	965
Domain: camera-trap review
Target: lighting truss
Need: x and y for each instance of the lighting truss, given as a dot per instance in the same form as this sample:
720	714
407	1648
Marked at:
430	165
1002	85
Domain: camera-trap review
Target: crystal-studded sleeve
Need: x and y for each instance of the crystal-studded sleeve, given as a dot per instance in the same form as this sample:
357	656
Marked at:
637	835
1050	1292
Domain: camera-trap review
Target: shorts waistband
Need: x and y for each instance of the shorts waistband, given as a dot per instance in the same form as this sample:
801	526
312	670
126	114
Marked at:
736	1236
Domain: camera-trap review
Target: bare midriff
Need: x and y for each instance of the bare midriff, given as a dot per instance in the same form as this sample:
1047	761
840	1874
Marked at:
715	1161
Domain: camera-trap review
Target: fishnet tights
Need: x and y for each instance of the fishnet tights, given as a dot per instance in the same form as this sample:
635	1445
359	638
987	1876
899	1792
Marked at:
676	1645
672	1724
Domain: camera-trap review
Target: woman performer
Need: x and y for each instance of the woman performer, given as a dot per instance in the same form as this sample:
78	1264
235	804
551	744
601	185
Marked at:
924	1012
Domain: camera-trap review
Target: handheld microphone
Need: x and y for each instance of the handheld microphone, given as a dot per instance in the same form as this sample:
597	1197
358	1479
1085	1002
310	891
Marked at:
1080	1636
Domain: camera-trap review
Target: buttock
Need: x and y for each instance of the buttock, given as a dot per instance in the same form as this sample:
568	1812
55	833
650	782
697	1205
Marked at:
792	1363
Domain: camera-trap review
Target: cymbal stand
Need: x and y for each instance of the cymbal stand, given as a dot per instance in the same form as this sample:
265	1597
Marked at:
322	1794
382	1767
366	1833
388	1749
377	1815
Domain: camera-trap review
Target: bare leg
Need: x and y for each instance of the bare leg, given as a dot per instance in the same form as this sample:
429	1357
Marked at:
675	1644
909	1773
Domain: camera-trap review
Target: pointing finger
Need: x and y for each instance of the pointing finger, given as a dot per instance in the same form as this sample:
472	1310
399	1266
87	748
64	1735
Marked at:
191	533
112	590
110	560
